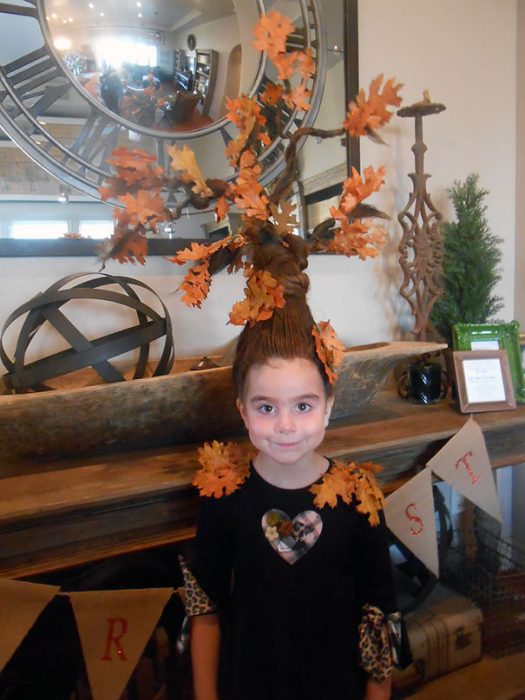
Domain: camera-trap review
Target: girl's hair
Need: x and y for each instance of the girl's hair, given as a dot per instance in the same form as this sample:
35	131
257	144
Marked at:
288	333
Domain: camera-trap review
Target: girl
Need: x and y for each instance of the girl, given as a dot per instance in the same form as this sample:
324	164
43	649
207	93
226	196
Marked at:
291	584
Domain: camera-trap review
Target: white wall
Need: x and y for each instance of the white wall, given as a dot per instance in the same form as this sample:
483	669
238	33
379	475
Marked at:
465	54
519	294
518	473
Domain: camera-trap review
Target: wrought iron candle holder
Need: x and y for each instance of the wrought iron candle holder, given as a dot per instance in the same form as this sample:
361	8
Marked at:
420	248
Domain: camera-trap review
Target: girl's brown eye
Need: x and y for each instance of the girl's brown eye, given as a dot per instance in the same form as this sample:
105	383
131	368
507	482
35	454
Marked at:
266	408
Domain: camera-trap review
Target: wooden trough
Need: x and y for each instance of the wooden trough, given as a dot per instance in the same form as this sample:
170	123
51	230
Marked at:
183	407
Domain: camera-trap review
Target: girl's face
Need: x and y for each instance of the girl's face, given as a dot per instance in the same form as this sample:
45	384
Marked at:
285	409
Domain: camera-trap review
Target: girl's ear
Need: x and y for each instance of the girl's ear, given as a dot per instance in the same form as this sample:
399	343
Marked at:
328	411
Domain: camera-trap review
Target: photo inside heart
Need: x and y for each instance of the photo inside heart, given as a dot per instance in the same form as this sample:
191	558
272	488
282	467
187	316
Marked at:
291	538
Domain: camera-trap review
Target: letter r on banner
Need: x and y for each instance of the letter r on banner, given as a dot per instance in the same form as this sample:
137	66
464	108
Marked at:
117	628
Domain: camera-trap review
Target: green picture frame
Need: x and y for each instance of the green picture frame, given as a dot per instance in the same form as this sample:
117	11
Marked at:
494	336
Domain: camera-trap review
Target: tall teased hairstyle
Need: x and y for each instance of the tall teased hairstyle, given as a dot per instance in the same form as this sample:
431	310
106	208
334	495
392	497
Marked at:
288	333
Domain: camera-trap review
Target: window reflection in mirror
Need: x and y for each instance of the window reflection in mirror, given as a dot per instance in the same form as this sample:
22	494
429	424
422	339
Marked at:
33	205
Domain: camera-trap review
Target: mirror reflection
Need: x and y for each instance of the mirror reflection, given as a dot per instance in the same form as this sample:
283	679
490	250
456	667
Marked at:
166	65
75	131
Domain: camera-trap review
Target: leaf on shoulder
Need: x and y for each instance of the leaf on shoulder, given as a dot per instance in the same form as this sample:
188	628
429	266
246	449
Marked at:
349	481
224	468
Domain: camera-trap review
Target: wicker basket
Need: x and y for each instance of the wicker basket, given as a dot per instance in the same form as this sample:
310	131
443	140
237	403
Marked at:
491	571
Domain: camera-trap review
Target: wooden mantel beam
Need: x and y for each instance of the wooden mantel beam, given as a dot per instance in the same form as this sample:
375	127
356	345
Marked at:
71	512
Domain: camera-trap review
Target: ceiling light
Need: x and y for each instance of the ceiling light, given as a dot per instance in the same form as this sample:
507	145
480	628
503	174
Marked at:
139	14
54	15
102	14
139	4
70	19
91	6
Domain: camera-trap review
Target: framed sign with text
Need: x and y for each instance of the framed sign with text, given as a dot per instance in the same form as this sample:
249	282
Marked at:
484	381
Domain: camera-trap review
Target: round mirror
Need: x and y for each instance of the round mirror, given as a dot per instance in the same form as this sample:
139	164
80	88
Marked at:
144	63
90	77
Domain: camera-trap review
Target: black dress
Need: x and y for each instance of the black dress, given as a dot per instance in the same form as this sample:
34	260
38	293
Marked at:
290	630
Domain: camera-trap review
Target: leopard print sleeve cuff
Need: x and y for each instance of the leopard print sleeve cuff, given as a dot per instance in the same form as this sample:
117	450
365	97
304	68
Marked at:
196	602
378	642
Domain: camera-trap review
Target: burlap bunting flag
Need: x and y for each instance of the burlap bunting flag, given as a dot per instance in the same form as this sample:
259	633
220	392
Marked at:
464	463
20	605
114	627
409	514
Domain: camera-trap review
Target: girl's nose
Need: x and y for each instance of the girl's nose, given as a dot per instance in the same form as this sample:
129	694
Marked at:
285	422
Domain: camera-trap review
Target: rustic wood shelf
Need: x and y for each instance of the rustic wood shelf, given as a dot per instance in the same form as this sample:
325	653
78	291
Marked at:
56	514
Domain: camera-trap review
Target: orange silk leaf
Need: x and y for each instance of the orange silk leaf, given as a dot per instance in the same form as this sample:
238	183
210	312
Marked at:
263	295
348	482
285	64
247	192
370	113
136	167
272	94
127	246
199	251
356	238
271	32
124	158
221	208
196	284
144	207
306	63
356	188
224	467
299	97
329	349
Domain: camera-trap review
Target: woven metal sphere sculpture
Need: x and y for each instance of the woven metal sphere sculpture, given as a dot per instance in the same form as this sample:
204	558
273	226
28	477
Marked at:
82	353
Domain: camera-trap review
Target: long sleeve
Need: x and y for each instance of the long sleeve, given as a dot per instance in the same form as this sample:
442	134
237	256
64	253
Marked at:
376	599
374	580
213	560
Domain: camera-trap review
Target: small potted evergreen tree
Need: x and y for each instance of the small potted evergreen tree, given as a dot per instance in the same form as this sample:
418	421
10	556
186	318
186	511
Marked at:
471	263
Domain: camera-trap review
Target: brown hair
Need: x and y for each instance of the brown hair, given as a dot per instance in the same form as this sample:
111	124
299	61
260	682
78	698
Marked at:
288	333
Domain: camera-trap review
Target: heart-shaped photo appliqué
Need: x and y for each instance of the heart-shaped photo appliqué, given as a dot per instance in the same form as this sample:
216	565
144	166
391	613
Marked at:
291	539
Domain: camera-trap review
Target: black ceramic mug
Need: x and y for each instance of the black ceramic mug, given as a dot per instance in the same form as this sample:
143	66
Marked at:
423	383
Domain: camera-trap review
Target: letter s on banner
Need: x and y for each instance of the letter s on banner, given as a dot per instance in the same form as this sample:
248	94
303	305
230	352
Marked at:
415	519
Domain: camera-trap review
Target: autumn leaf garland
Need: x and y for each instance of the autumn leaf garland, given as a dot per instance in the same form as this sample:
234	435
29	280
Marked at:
225	467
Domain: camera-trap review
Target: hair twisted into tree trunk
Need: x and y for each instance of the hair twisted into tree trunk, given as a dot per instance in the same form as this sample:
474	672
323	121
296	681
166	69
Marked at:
288	333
